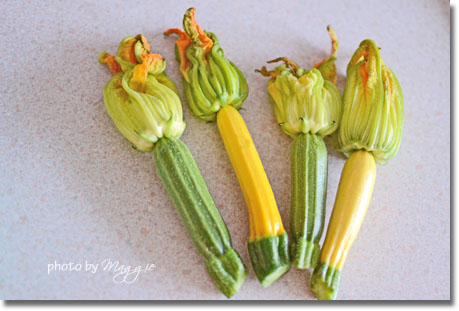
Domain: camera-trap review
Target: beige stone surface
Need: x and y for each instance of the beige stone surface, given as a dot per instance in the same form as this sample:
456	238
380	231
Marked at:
73	190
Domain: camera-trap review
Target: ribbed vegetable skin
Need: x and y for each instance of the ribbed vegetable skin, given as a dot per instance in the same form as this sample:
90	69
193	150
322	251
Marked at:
352	200
269	257
194	203
308	163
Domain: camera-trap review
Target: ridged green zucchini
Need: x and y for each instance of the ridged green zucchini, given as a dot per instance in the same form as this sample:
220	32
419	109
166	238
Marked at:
308	163
307	108
188	191
144	104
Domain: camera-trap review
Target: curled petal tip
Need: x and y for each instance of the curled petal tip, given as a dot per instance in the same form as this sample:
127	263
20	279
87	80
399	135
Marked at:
145	42
263	71
189	25
182	44
268	73
130	51
287	61
195	32
333	39
103	58
192	34
327	66
109	60
176	31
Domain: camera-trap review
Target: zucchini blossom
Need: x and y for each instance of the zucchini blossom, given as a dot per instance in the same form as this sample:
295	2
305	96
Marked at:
210	80
373	106
305	101
141	100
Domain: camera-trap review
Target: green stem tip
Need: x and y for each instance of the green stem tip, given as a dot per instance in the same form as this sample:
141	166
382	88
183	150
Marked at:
305	254
270	259
227	271
325	282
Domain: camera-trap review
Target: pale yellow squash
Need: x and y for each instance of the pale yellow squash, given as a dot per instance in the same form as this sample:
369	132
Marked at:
352	200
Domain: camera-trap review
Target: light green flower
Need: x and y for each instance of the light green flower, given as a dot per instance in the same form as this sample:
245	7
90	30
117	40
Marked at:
305	101
373	106
141	100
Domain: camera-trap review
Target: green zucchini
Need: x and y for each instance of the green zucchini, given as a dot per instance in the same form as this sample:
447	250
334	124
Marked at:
308	163
195	205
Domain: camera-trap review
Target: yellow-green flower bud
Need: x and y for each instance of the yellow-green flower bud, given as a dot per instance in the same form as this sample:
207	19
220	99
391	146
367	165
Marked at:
210	80
143	102
373	106
305	101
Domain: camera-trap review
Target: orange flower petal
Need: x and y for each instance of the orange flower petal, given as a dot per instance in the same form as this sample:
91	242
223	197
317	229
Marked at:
109	60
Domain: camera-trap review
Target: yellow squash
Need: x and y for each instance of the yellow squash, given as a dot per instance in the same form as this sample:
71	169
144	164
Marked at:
264	216
215	89
370	133
352	200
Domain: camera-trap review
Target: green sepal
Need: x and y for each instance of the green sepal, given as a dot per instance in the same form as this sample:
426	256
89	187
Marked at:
269	257
325	282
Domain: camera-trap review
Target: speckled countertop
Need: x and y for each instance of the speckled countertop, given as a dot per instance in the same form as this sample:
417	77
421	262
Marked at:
72	190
